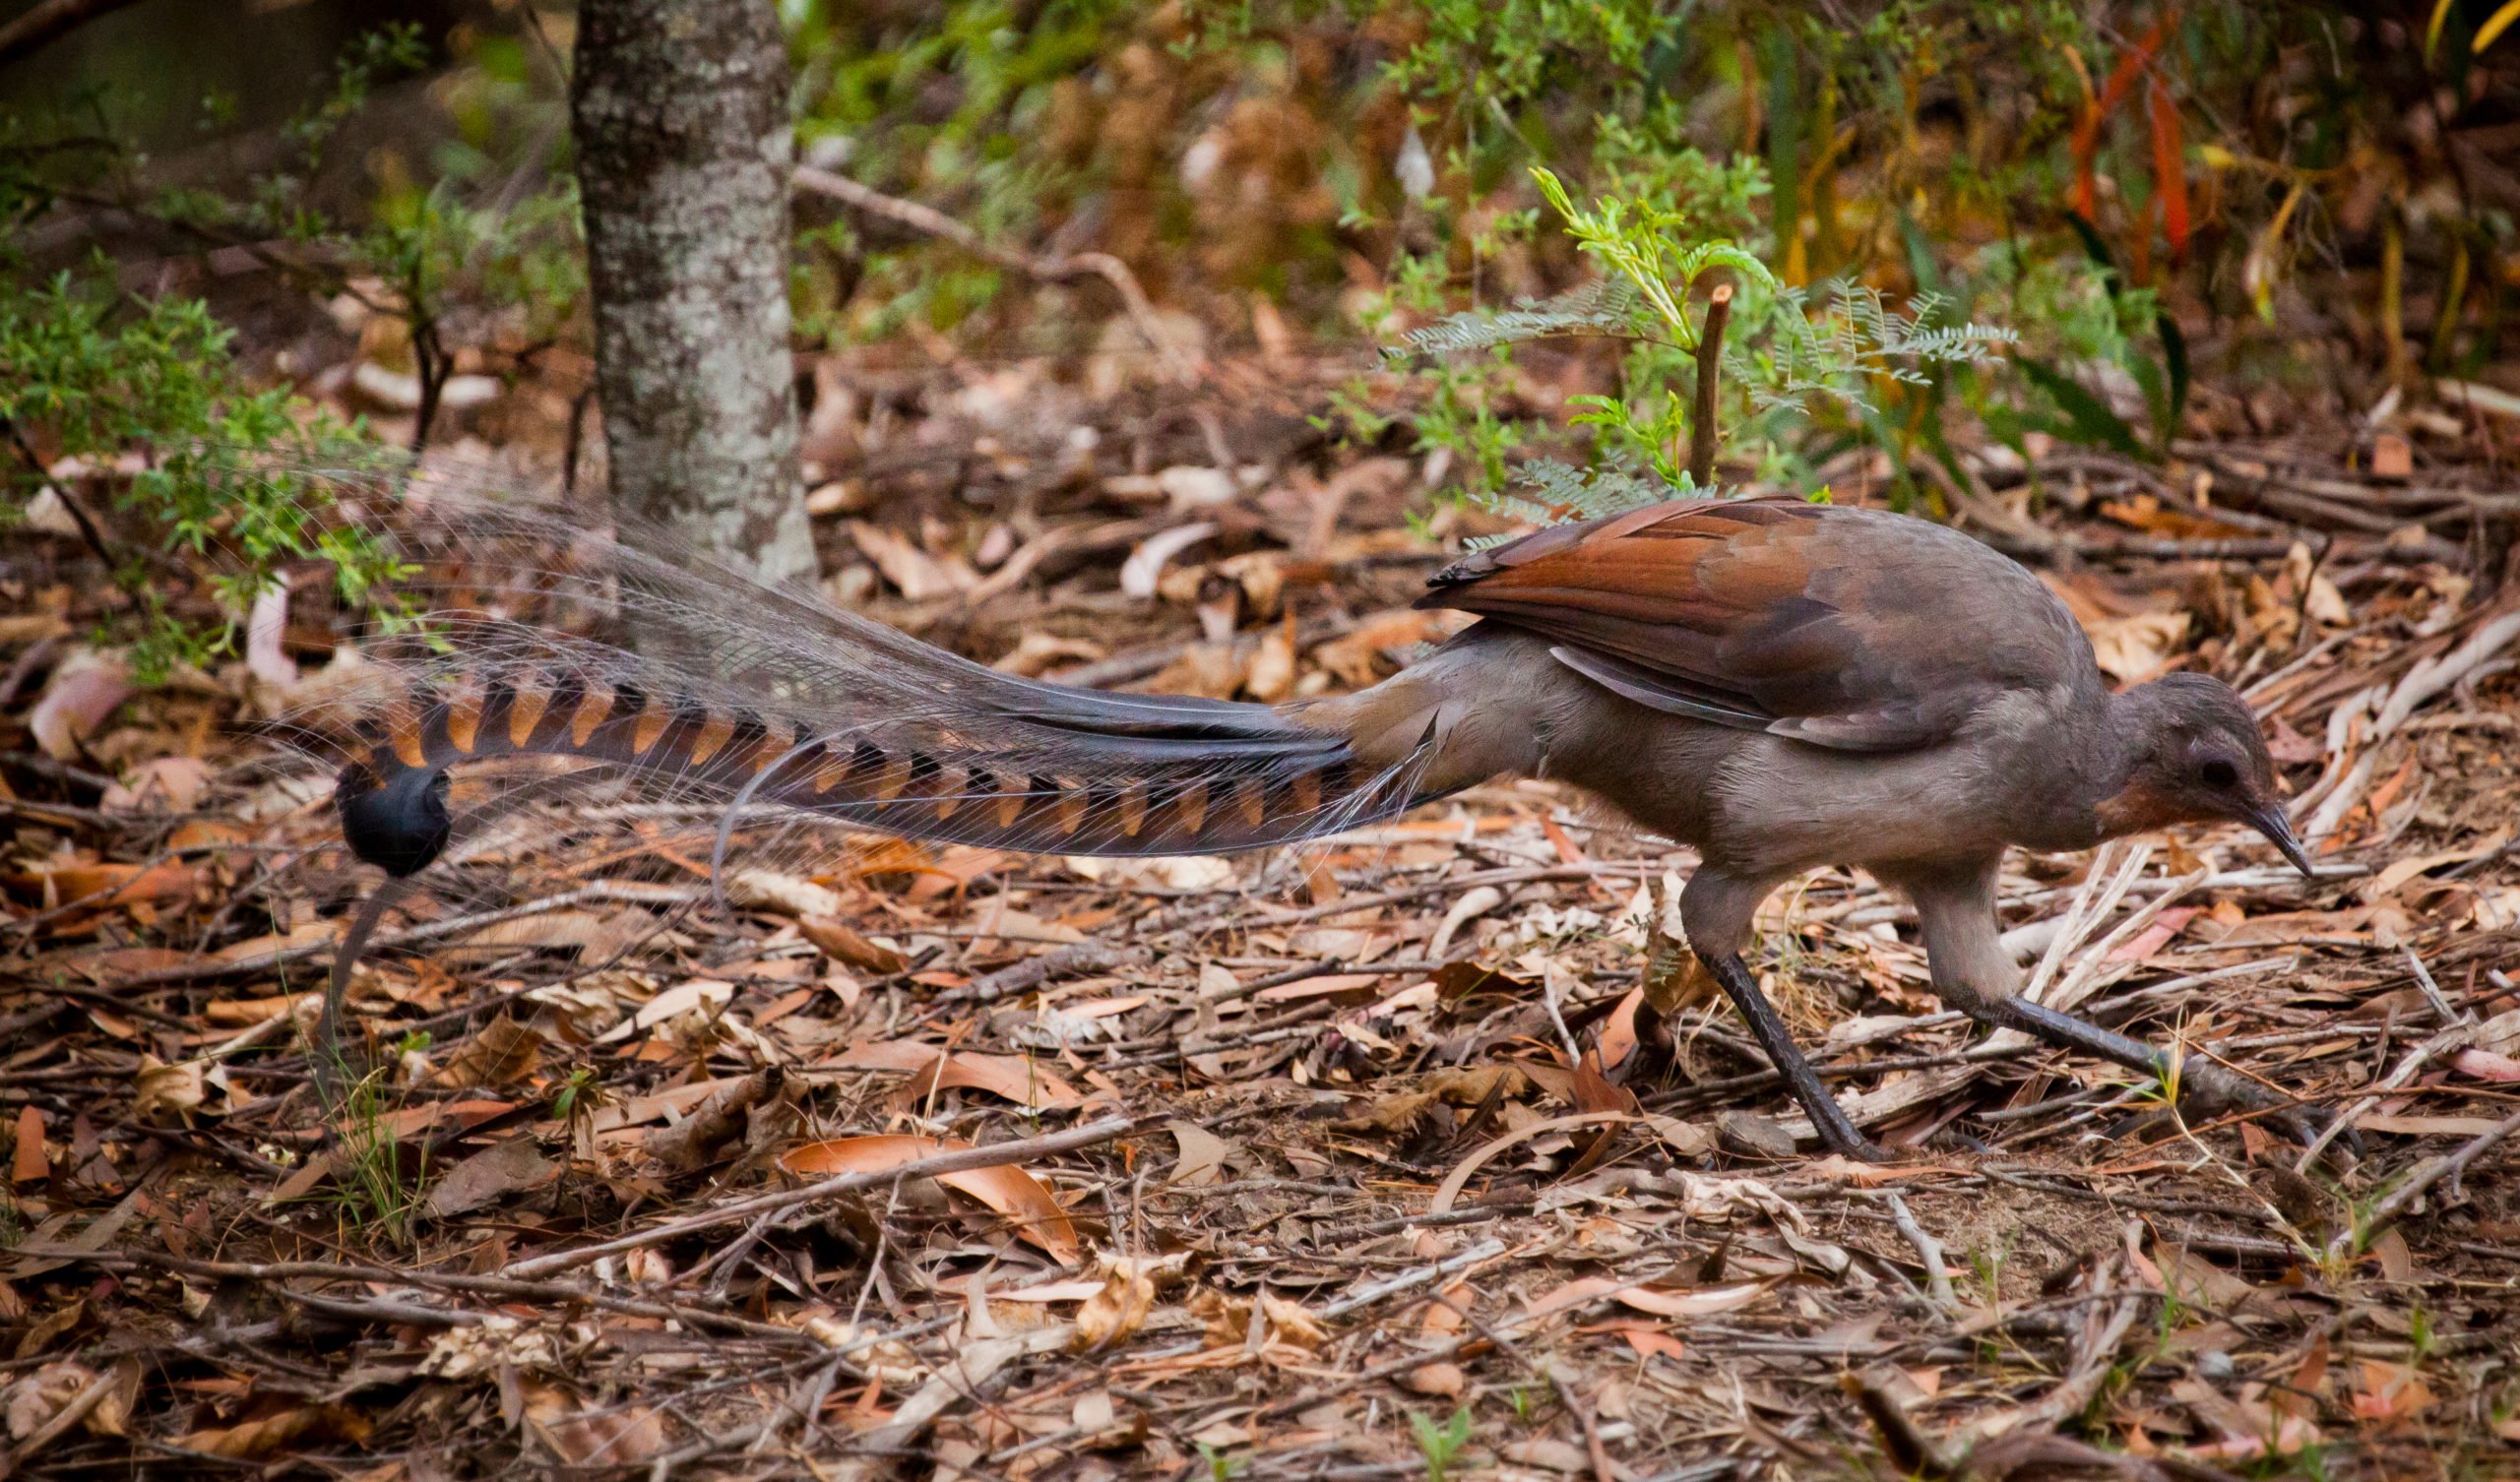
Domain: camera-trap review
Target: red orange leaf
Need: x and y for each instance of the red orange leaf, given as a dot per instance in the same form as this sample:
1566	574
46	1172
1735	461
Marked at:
1006	1189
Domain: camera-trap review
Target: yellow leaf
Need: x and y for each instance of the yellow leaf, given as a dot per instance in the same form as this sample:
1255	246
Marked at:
2495	25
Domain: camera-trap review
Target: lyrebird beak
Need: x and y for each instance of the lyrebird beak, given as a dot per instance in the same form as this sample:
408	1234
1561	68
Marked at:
2269	819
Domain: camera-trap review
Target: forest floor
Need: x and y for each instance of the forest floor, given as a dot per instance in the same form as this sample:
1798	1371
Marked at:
1416	1153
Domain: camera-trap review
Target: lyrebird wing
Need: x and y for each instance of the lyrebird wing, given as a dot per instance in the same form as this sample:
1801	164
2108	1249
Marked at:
1843	628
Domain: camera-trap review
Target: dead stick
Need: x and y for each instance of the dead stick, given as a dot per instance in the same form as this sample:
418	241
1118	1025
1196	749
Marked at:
961	1160
43	23
933	222
204	969
1710	360
2385	1214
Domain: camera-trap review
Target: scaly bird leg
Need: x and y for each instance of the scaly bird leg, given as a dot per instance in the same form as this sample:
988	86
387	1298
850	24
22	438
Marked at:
1973	973
1836	1132
2205	1088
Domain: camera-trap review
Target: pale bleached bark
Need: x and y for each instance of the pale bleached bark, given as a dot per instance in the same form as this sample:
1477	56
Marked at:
683	143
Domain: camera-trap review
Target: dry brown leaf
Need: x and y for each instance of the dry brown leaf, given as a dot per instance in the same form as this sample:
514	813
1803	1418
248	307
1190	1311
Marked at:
606	1437
1015	1077
1272	676
788	895
917	574
1548	1454
503	1053
1037	652
1006	1189
303	934
1202	1161
28	1164
104	887
1647	1341
701	995
168	784
165	1094
1292	1322
2428	1126
488	1176
281	1430
1119	1308
844	942
84	688
1353	657
2138	646
1211	671
2391	1394
1658	1301
31	1402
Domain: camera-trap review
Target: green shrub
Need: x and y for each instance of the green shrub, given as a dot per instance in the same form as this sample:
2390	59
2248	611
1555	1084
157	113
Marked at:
95	377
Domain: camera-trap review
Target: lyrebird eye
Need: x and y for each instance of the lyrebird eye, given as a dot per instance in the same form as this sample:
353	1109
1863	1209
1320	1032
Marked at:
2219	773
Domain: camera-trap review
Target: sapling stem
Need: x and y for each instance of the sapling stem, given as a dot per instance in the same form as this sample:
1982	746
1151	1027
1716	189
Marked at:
1710	357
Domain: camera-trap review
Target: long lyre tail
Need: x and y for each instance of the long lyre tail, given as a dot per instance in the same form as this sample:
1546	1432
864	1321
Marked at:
1078	773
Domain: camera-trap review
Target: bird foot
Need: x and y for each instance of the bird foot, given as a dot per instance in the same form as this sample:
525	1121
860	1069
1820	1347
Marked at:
2209	1093
1856	1146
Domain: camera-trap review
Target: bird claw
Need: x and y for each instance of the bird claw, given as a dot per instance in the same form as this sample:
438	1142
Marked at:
2212	1094
1860	1148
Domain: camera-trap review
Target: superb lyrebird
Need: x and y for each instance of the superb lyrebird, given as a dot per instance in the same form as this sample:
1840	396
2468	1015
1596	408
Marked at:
1780	684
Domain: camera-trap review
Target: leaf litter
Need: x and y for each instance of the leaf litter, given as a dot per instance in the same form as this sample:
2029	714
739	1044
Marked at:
1156	1168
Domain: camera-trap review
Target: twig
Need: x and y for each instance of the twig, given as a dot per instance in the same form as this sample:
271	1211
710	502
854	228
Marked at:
2388	1209
935	224
1929	1251
2448	1041
1602	1470
1024	976
207	968
1710	360
48	23
1367	1296
2432	995
961	1160
274	1273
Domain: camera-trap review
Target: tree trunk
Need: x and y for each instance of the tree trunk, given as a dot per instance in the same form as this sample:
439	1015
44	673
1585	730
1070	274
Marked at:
683	144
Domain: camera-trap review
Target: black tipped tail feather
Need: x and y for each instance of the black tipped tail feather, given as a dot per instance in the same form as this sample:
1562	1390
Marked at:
997	762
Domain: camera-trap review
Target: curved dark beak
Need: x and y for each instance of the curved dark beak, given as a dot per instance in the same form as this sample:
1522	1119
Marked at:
2270	819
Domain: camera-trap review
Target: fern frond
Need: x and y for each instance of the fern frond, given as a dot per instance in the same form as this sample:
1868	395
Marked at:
1548	492
1603	307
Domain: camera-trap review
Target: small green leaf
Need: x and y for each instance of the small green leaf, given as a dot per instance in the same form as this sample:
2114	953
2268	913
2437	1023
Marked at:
2088	418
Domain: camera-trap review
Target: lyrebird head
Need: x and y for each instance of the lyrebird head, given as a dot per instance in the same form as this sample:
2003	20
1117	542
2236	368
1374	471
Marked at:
2195	756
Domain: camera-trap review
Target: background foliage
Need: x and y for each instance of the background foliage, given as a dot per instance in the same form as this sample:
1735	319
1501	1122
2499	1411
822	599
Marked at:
2021	219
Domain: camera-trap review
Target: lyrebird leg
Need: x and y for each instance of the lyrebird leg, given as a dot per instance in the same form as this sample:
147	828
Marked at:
1837	1132
1715	910
1972	973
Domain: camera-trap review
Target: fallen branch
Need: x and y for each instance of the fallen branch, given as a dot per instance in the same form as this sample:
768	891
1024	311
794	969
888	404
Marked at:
931	222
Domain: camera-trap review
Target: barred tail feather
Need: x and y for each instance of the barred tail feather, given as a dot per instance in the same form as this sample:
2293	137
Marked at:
1120	780
771	702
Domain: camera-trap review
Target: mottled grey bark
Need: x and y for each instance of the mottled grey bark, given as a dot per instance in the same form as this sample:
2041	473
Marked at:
683	151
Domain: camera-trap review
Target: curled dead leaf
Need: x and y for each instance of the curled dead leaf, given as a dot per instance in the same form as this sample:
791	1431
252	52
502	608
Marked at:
844	942
1119	1307
281	1430
165	1094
